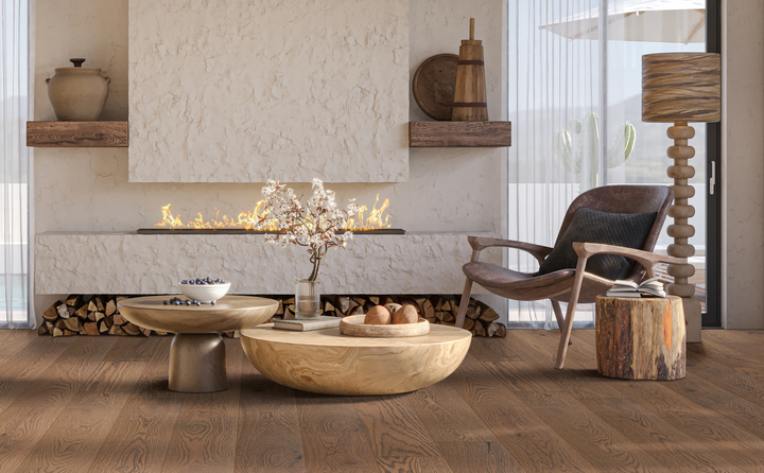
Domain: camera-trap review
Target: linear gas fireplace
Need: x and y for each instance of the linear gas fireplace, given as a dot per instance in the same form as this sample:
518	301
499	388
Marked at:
371	220
244	231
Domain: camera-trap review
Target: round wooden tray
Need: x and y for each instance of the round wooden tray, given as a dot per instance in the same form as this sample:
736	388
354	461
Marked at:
433	85
353	326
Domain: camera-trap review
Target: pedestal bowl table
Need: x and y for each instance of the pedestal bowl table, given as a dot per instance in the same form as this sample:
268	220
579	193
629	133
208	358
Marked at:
327	362
197	354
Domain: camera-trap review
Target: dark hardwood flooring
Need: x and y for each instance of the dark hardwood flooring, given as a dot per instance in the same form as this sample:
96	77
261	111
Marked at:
96	405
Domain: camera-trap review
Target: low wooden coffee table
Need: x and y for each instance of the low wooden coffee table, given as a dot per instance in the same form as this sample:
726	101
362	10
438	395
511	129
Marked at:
327	362
197	356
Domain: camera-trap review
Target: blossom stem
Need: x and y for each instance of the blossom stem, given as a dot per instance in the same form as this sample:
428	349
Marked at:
316	266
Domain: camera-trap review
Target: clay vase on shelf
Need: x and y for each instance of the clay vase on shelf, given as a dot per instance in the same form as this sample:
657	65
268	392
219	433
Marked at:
78	93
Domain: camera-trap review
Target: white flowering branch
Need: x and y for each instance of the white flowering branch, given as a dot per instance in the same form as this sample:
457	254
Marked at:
318	225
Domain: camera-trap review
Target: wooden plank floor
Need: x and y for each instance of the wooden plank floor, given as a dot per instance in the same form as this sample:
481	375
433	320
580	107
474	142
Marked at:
100	405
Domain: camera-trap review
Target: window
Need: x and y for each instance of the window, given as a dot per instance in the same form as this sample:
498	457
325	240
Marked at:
575	85
14	177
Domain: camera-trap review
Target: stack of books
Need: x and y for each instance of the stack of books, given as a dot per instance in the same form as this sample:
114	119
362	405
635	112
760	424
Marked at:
307	325
648	288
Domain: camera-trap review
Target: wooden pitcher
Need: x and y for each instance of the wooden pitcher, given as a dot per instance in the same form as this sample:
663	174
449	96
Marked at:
469	92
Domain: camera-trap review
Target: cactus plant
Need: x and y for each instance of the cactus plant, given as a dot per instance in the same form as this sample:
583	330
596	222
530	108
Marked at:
579	146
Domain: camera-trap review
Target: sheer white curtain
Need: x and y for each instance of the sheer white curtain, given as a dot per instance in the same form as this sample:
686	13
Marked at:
554	106
14	91
575	105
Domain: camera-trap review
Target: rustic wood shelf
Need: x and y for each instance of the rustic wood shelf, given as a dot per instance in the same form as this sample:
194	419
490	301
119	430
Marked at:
460	134
77	134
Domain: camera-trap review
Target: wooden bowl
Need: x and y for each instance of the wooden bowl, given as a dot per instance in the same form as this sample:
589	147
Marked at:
433	85
353	326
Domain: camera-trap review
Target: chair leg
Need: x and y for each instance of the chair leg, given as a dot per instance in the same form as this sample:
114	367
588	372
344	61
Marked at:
558	316
557	313
562	349
464	303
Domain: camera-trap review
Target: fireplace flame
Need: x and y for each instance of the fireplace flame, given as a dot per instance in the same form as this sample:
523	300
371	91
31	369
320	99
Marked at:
257	219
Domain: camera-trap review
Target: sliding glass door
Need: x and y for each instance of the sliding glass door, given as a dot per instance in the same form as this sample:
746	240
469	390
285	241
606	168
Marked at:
14	170
575	103
678	26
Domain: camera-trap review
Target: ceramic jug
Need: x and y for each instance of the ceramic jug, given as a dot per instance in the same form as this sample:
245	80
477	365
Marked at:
78	93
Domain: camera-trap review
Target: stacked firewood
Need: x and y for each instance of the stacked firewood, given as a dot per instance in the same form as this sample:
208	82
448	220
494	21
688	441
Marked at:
88	315
99	315
481	320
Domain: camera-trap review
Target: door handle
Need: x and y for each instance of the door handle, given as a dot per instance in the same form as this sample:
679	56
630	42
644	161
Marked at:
712	179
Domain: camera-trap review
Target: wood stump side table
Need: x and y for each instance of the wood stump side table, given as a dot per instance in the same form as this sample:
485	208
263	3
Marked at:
197	354
641	338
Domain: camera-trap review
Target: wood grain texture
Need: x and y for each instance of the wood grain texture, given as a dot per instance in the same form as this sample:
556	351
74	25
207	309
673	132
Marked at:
40	401
324	361
206	428
433	85
667	414
460	134
141	434
230	313
90	414
353	326
57	134
681	230
469	91
642	338
681	87
269	437
505	409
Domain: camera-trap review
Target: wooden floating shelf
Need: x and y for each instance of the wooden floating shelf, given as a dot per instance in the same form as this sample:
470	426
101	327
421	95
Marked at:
460	134
77	134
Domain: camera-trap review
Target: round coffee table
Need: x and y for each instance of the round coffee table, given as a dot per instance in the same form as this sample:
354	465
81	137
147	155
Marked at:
197	354
326	362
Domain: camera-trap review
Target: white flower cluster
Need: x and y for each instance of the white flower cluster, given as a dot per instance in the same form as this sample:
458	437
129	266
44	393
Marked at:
317	225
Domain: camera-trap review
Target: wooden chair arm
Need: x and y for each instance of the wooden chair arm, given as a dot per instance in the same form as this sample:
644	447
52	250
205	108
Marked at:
645	258
480	243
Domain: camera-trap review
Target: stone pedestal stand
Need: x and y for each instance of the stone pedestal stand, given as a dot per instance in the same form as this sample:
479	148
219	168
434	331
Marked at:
197	363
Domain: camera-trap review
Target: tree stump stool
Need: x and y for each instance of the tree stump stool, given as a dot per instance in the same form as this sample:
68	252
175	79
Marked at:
641	338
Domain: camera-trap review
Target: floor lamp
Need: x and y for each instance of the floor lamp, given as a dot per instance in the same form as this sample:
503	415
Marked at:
680	88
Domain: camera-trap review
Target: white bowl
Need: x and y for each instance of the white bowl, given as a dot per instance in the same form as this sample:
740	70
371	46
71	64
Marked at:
205	292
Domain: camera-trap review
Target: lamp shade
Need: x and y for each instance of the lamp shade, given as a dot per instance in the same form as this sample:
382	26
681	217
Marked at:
681	87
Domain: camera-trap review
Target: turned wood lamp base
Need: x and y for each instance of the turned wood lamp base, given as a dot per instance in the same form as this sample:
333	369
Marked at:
681	230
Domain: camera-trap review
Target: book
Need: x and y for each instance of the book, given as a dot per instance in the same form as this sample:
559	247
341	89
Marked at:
652	287
307	325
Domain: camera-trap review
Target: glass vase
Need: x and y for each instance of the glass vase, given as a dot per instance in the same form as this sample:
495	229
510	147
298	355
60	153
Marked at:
307	300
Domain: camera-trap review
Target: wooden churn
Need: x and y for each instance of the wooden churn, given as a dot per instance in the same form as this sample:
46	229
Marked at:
469	93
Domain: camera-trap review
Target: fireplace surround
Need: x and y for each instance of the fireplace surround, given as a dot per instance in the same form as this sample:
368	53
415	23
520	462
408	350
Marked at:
132	263
408	266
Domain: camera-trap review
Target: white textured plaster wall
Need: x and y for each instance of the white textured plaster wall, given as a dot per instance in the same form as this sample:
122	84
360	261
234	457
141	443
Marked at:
448	190
244	91
93	29
109	263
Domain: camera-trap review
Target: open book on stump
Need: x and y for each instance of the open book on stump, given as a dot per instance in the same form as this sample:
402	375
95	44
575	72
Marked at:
648	288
